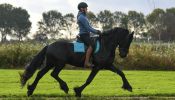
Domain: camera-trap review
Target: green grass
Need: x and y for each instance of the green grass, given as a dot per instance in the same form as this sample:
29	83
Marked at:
105	85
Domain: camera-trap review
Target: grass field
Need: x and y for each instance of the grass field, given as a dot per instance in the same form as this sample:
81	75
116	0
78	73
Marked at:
106	85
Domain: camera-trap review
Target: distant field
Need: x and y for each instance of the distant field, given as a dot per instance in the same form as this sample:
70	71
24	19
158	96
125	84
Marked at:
146	84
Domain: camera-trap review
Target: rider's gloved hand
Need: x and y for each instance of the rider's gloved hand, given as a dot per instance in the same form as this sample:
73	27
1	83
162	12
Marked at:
99	32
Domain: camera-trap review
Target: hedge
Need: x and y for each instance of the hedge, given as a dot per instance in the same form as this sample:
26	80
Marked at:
142	56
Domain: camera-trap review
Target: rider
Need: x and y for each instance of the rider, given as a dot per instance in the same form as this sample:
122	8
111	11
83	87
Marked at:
84	31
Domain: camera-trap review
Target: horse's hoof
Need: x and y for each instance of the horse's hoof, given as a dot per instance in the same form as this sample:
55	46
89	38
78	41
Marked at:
65	88
22	80
30	90
127	87
29	93
77	92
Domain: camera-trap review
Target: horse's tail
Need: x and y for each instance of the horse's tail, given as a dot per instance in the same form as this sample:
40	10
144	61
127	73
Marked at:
35	64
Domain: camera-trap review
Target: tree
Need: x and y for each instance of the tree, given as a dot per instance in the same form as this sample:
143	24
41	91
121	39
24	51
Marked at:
92	18
40	37
169	22
136	21
51	24
155	24
120	19
5	20
156	13
69	21
21	24
14	22
106	19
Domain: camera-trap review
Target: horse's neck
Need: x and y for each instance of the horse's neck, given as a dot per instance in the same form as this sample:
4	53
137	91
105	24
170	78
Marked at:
107	51
108	48
108	44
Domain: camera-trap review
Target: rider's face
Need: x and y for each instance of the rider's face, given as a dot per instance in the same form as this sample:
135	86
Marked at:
84	10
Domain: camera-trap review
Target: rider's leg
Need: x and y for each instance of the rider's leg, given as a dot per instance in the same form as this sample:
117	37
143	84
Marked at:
87	40
88	55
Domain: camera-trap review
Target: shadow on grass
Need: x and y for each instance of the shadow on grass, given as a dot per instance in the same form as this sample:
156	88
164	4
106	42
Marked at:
89	97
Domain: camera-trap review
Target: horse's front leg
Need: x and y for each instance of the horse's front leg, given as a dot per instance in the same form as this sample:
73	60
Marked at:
126	84
78	90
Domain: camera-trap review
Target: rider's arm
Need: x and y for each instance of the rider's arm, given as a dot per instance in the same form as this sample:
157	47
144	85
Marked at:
86	24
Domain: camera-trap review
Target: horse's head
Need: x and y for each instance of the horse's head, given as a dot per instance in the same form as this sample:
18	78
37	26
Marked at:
118	37
125	44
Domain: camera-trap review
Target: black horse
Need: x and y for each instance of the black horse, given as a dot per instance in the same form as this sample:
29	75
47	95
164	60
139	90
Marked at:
59	53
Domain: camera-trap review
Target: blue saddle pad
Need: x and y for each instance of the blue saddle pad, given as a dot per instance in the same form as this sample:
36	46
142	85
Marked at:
80	47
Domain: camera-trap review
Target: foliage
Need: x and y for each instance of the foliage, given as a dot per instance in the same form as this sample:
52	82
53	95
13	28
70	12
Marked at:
120	19
14	22
136	21
22	24
106	85
156	13
40	37
158	25
17	55
161	24
106	20
92	18
169	21
6	21
51	24
149	56
69	21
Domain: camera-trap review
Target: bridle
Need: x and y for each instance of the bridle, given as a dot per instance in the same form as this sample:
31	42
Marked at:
123	48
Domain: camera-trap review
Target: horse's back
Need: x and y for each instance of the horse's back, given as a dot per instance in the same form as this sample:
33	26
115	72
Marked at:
63	51
59	50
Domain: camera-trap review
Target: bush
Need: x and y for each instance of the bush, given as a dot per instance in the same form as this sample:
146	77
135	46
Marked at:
17	55
149	56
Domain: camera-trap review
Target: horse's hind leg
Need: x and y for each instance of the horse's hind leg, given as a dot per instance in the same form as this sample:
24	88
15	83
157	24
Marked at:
63	84
40	74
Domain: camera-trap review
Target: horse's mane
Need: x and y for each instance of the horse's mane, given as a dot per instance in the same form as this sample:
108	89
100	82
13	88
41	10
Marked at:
65	40
116	30
106	32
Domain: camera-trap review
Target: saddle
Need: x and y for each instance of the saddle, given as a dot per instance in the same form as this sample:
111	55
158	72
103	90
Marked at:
79	46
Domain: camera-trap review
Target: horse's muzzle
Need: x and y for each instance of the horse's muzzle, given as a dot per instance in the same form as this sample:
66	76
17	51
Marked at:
123	52
122	55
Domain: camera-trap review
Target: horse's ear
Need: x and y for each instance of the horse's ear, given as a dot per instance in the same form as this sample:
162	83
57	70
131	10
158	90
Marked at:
132	33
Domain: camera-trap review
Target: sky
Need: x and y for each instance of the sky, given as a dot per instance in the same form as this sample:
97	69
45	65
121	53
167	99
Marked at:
36	7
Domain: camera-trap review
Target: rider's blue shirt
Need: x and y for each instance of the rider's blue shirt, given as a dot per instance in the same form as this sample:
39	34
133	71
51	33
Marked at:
84	26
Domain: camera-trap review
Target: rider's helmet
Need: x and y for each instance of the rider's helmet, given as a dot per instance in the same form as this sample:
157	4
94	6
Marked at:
82	5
